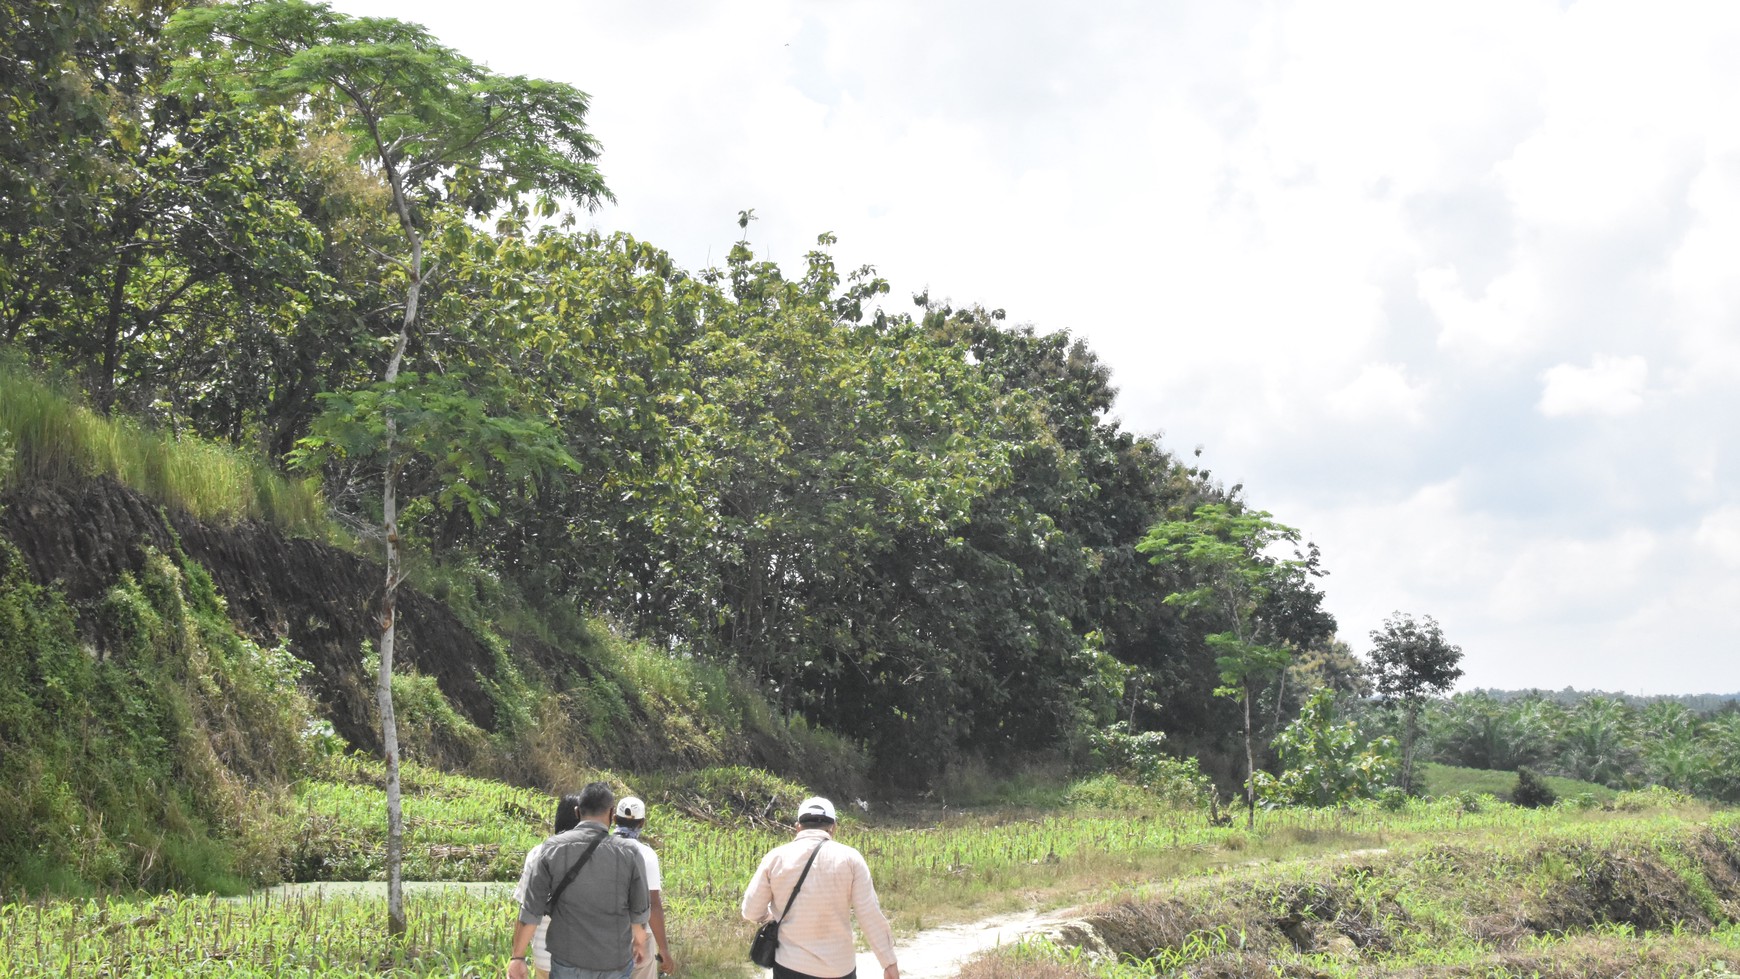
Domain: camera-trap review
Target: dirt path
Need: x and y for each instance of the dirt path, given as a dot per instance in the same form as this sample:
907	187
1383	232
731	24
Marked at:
939	953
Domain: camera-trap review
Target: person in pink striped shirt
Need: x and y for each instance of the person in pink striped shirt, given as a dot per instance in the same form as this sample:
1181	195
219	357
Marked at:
815	932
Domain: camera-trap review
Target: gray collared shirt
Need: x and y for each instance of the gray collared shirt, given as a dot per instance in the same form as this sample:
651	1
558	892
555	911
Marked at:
590	928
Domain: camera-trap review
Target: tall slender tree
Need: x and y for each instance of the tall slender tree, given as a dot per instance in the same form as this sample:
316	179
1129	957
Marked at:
436	128
1223	554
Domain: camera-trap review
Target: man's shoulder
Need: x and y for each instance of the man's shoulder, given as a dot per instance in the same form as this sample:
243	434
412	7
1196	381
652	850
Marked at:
535	854
571	843
581	834
623	847
789	847
844	851
828	850
841	857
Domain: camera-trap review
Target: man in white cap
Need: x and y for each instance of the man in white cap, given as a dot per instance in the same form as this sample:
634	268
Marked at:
630	821
815	931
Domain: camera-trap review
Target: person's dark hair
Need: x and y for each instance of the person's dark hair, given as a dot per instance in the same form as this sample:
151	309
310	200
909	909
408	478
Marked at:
567	813
631	823
812	819
597	798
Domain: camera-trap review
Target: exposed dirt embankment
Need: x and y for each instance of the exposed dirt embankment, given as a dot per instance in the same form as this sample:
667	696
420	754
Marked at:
320	598
323	601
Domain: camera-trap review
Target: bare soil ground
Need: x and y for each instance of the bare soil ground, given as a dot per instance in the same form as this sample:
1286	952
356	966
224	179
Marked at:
939	953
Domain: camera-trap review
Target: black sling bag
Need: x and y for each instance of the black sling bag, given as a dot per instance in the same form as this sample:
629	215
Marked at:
574	871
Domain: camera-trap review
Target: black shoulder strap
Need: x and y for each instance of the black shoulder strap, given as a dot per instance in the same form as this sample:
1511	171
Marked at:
800	883
574	871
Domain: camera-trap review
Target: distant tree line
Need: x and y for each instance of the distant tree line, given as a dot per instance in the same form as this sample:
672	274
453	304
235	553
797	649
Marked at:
918	528
1571	696
1598	738
1398	712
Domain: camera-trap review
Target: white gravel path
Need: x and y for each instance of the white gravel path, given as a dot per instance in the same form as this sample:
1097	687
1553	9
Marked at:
939	953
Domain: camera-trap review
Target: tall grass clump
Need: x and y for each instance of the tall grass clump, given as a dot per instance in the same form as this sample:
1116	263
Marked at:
52	438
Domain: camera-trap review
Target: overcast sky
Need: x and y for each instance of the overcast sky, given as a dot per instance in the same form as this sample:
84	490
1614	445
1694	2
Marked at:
1454	287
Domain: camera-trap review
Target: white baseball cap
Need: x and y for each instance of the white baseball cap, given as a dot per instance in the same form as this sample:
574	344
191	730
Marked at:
816	806
631	808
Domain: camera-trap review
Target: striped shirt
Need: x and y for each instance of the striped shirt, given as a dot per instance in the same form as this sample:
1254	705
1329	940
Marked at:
816	937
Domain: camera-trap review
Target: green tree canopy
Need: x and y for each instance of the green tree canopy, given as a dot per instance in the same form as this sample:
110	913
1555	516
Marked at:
1411	661
1225	551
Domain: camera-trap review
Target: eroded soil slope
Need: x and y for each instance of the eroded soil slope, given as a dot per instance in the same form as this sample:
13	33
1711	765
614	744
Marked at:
320	598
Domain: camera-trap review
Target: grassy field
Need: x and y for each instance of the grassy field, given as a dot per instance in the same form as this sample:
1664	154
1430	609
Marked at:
1449	780
1617	892
931	867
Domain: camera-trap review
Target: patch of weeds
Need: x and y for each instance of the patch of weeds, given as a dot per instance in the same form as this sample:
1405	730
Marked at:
1651	798
734	792
1109	792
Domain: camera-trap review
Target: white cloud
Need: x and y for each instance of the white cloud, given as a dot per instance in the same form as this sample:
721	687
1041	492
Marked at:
1719	535
1532	607
1504	321
1700	274
1379	392
1629	92
1610	386
1551	577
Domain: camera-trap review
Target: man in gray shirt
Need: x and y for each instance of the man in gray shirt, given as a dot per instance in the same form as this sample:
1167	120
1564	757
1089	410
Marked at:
603	911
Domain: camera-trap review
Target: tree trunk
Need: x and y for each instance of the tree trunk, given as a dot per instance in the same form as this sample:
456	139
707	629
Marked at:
1250	765
396	925
1410	718
384	697
110	363
1280	697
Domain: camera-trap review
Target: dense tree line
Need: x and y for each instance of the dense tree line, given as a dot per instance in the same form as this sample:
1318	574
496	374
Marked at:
917	528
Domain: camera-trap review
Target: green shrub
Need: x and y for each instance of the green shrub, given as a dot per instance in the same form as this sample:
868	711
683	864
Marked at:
1325	763
614	700
1530	791
1142	759
1111	793
1470	802
824	759
429	729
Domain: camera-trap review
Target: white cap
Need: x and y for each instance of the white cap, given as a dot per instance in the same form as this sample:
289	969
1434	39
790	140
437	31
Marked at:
631	808
816	806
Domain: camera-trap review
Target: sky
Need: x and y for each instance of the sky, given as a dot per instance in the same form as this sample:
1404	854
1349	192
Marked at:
1453	288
